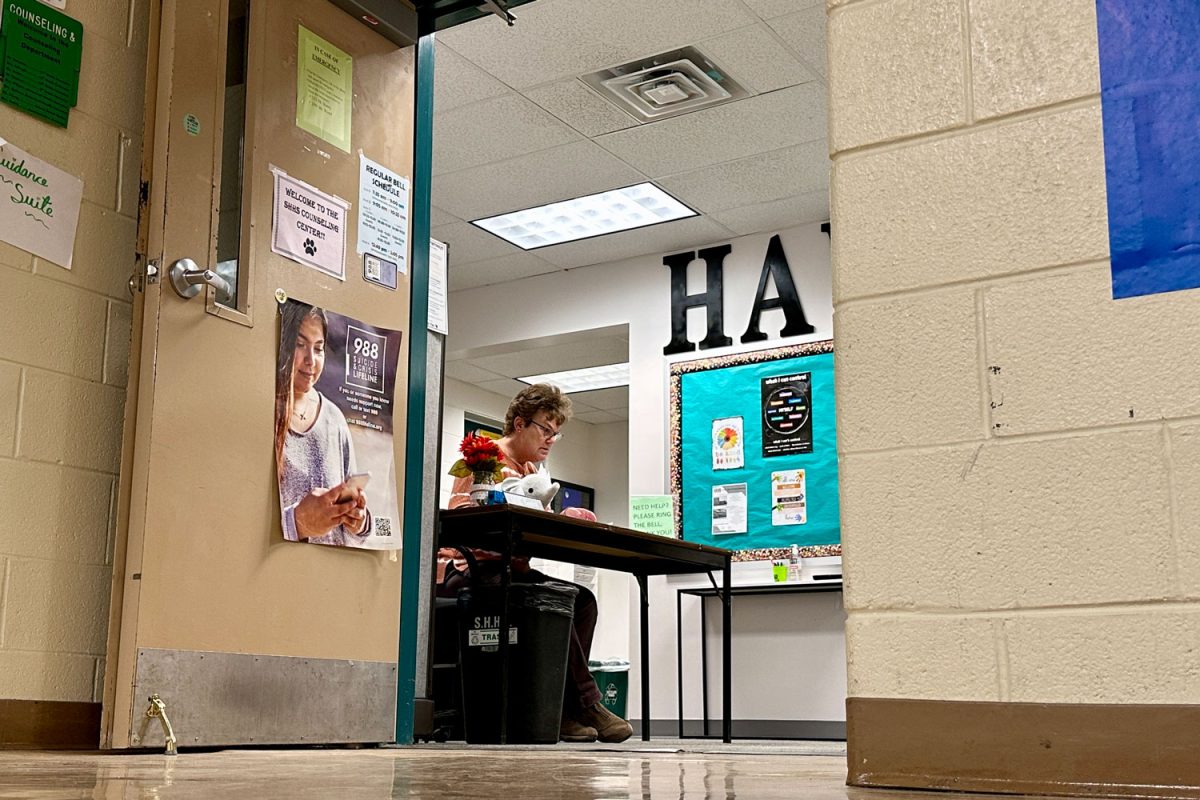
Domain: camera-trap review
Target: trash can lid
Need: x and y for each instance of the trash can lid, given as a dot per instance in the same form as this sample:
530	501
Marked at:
609	665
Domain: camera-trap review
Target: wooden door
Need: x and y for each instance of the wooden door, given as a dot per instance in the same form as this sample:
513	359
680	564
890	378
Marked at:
246	637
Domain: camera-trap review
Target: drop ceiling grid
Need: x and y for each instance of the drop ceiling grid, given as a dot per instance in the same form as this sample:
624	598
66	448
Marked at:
722	133
755	179
472	243
556	39
775	214
477	134
496	270
516	128
804	32
533	179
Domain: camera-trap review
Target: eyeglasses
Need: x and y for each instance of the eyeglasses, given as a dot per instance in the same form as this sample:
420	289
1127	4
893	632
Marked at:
549	434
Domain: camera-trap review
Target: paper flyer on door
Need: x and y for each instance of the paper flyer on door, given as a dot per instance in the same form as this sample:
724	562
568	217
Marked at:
334	400
308	225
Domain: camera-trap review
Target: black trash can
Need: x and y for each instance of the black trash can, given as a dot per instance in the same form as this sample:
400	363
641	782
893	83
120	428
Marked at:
539	619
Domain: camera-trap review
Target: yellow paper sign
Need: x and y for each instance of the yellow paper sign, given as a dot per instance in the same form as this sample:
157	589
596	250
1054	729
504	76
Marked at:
324	89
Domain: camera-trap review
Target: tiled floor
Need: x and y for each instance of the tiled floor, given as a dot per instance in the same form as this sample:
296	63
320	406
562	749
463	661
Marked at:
658	770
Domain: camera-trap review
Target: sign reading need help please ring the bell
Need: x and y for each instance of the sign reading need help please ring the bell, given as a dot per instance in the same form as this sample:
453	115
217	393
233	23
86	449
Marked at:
309	226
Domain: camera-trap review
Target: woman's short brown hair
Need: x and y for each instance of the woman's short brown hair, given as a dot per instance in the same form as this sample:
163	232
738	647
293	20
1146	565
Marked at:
535	398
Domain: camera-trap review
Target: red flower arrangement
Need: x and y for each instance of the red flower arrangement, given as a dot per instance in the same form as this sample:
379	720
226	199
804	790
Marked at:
481	458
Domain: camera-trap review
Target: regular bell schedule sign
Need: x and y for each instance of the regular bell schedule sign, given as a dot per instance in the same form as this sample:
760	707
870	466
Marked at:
787	414
41	51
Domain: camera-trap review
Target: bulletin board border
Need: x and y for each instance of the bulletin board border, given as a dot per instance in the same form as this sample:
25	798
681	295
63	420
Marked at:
675	412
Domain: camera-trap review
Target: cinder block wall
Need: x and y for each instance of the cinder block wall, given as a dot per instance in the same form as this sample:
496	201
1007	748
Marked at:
64	346
1021	508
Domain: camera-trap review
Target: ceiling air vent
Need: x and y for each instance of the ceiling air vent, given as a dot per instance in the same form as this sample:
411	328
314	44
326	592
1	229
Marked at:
665	85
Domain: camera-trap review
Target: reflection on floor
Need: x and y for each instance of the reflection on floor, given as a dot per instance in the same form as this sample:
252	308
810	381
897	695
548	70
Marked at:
655	770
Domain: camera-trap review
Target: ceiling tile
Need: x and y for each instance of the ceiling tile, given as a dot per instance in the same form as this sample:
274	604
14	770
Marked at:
505	387
438	217
496	270
776	214
804	32
469	373
457	82
598	417
777	8
564	39
578	407
467	243
755	58
604	399
581	108
494	129
544	177
724	133
596	352
691	232
757	179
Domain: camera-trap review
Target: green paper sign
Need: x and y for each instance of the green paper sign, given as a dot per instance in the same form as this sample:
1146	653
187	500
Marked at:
324	89
652	513
41	51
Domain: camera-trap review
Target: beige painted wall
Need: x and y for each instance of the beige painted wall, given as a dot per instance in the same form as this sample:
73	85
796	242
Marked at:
1020	515
64	342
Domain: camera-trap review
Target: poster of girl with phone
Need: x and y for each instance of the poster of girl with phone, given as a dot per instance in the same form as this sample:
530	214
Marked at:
334	394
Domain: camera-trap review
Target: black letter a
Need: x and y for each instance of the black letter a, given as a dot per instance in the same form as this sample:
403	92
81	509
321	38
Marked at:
776	266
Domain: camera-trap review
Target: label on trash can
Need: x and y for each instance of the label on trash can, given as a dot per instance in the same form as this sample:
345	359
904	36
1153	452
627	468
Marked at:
482	637
610	695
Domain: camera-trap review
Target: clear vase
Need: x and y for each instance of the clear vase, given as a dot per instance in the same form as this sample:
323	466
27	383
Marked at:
481	489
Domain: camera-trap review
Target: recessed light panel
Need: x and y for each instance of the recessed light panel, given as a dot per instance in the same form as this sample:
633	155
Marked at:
584	217
584	380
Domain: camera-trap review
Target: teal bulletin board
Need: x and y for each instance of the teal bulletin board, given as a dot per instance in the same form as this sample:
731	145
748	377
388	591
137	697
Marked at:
754	452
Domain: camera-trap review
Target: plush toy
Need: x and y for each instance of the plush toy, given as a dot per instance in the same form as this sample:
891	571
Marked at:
536	486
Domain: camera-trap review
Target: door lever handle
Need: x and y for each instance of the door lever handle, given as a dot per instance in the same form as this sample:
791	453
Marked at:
187	278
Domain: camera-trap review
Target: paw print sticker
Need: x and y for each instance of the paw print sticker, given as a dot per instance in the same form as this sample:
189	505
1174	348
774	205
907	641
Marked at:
310	247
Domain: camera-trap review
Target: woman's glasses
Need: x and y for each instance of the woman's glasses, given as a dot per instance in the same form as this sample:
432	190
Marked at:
548	434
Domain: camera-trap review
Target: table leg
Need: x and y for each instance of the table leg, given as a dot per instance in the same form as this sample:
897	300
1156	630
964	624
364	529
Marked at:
679	654
641	579
505	583
704	659
726	651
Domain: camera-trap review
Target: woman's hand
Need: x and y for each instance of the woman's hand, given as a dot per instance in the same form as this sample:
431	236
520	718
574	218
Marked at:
320	511
579	513
355	518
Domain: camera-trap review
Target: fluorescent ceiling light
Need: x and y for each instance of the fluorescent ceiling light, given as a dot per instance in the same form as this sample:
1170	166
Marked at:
585	380
584	217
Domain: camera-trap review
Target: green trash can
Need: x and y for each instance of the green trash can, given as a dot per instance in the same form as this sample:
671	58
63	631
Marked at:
612	678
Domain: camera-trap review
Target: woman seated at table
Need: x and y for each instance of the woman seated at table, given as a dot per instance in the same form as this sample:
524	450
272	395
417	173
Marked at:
531	427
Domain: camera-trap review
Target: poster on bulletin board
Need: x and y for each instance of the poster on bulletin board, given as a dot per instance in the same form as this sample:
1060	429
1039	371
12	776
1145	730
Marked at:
775	410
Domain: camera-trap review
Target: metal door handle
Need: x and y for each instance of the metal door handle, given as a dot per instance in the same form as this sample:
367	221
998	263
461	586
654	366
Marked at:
187	278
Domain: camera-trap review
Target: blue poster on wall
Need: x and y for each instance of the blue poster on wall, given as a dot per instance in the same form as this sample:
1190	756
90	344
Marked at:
754	459
1150	92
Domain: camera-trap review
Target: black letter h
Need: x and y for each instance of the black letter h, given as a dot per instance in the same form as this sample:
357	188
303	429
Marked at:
712	298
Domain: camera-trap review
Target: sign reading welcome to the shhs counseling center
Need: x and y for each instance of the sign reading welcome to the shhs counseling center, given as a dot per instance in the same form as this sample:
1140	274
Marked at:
309	225
39	205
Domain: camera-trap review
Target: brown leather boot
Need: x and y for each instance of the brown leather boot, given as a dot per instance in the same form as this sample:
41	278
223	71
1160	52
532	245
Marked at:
609	727
572	730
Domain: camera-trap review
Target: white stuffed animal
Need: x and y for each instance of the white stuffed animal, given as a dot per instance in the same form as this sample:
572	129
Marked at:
536	486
